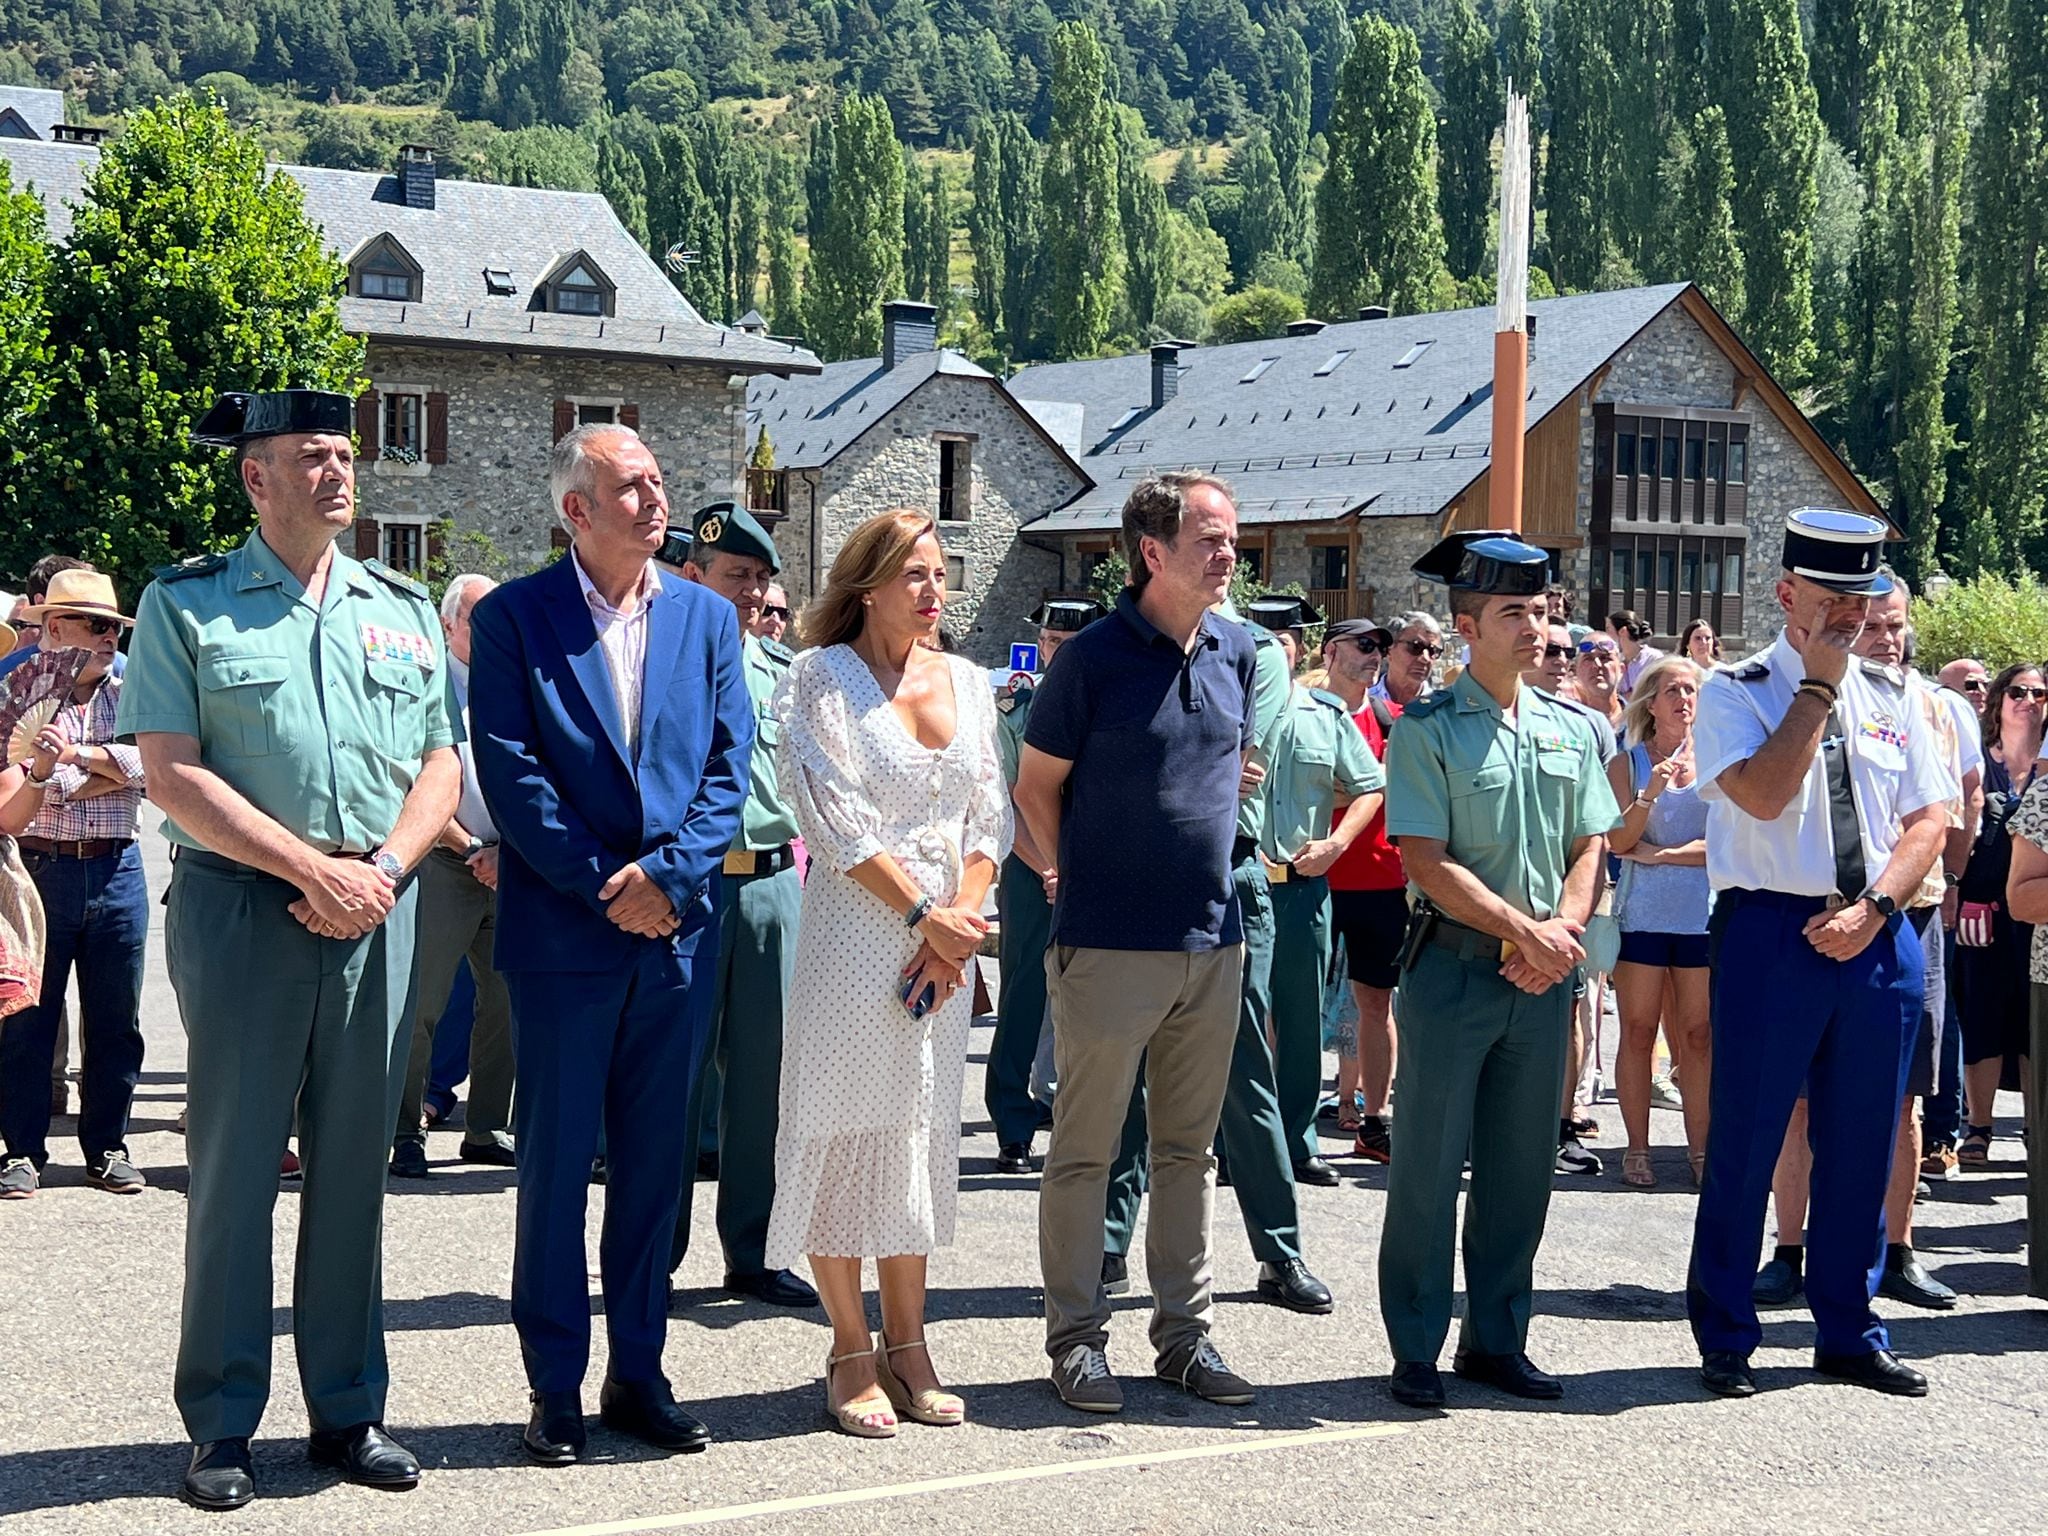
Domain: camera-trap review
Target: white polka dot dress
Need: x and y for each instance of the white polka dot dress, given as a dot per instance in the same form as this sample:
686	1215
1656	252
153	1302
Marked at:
867	1158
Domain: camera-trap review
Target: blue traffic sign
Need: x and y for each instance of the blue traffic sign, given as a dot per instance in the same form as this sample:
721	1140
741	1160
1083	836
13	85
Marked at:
1023	658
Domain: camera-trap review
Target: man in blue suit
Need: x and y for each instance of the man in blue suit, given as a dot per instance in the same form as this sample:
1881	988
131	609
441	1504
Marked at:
612	732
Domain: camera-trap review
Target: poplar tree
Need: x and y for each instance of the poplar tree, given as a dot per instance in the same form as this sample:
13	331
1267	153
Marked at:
1379	239
938	245
1017	193
1520	28
916	266
1699	185
859	263
985	225
1579	169
1151	256
1472	108
1293	98
1083	231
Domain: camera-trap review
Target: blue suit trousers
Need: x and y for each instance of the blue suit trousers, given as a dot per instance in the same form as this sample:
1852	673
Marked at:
618	1050
1783	1015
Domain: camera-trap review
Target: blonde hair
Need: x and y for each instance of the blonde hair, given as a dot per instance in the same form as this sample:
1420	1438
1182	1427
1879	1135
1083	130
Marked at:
1636	720
872	556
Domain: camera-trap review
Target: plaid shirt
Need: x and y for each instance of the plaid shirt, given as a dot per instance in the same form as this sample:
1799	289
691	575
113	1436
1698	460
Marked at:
113	814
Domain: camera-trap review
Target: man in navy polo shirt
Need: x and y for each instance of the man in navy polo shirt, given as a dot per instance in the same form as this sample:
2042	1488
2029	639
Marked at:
1133	761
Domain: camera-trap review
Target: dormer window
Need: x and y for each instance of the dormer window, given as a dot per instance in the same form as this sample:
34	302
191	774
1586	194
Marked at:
578	286
384	270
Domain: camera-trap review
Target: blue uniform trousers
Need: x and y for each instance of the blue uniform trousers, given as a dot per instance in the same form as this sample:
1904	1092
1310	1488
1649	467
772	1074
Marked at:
618	1049
1785	1015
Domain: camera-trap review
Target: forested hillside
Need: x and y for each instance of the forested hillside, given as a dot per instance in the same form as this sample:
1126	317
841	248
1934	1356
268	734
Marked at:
1861	185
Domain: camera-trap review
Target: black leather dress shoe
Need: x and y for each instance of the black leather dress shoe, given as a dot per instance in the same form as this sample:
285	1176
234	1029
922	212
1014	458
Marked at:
1291	1285
1417	1384
409	1158
1906	1279
555	1434
220	1477
1880	1370
1726	1374
648	1410
494	1151
1013	1157
366	1454
1313	1170
1116	1275
1514	1374
777	1287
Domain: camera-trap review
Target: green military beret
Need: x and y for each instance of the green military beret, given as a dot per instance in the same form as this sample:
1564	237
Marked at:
731	529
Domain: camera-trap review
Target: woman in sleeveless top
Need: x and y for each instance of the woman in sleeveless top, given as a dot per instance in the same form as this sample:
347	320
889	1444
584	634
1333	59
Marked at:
1662	905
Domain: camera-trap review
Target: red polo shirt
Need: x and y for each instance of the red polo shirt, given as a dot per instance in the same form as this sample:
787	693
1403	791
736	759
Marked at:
1371	863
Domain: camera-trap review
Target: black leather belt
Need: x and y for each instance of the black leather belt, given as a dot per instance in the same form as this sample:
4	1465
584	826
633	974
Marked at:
1466	942
79	848
764	861
1243	848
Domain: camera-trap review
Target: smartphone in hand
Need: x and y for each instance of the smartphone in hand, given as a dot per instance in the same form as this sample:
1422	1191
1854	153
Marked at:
925	999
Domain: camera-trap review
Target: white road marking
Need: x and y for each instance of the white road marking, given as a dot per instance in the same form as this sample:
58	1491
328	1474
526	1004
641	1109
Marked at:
1294	1440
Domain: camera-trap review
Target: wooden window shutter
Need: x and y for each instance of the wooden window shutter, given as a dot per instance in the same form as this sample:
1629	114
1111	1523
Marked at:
565	418
629	416
369	538
437	428
366	423
437	544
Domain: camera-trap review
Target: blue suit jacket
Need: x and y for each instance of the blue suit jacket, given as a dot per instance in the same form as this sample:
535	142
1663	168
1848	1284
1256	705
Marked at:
571	806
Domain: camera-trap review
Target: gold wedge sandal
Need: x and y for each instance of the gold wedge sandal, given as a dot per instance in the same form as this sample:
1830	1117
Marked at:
930	1406
864	1422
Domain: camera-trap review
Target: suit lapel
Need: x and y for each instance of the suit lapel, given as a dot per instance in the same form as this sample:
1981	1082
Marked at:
577	631
665	619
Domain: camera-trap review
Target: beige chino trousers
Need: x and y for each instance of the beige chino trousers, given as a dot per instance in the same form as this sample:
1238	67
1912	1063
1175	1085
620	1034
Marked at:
1114	1010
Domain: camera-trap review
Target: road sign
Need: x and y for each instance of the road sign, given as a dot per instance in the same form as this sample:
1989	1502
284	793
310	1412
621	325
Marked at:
1023	658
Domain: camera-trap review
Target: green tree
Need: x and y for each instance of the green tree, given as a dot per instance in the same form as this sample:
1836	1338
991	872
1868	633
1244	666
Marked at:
916	260
1293	99
1084	252
1519	27
2008	309
189	270
785	258
1379	238
985	225
25	358
1150	268
938	244
1025	331
543	156
858	264
1584	146
1263	219
1472	109
622	178
1700	183
1774	138
1253	314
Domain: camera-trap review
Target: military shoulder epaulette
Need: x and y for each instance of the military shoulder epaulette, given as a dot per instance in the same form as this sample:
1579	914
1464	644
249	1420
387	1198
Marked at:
778	652
1881	672
1324	696
1755	672
1423	708
198	565
398	579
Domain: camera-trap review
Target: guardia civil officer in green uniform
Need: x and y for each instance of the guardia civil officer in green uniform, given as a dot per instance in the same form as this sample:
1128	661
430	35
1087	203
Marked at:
293	711
1495	794
1253	1154
1025	898
759	896
1318	762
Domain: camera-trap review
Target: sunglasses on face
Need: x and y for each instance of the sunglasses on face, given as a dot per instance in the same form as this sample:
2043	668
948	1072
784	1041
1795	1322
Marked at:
2024	693
776	611
1601	648
1422	648
1556	652
1976	684
97	628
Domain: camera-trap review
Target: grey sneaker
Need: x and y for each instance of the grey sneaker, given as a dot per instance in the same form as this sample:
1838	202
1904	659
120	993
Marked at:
113	1172
1081	1377
17	1179
1200	1370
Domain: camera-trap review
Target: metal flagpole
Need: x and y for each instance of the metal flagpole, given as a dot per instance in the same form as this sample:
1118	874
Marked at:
1510	340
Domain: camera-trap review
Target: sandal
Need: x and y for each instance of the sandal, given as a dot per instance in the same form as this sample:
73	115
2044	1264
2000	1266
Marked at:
1584	1126
864	1421
1349	1111
1975	1152
1699	1168
1635	1168
930	1406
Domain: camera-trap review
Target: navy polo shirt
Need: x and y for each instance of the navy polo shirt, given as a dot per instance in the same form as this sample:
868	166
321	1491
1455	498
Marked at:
1157	737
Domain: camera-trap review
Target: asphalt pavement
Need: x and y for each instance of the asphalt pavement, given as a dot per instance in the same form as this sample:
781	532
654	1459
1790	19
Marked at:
90	1441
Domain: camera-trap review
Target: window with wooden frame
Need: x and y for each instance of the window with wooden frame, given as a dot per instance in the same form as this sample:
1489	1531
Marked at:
404	422
384	269
956	574
956	480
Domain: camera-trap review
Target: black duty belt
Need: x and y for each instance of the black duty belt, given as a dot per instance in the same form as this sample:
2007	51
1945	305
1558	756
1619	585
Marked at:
764	861
1243	848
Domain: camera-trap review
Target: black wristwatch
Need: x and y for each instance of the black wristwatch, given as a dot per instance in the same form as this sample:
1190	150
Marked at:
476	846
1886	907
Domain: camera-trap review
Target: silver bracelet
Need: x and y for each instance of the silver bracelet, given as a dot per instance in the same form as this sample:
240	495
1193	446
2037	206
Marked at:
919	911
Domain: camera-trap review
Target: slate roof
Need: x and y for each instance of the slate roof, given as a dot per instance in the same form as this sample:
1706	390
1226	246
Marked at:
40	111
1379	434
474	226
813	420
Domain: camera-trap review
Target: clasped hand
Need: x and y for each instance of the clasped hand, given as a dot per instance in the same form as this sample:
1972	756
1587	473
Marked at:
951	936
344	898
1844	933
635	903
1545	955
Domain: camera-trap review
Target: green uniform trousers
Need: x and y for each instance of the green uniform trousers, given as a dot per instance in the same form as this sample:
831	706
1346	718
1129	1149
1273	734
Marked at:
1482	1070
1020	1005
276	1018
1249	1135
2037	1147
757	918
1301	961
458	920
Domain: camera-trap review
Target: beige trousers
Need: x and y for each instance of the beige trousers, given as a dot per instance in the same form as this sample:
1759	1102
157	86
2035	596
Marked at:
1113	1011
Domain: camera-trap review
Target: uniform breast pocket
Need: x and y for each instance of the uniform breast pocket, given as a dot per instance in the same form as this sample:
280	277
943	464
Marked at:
395	697
1479	802
242	705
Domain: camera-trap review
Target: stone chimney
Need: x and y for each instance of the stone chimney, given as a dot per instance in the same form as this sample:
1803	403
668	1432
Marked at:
416	175
908	328
1374	312
76	133
1304	327
1166	370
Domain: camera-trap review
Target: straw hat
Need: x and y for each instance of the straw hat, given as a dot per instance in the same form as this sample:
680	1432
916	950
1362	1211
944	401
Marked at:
89	594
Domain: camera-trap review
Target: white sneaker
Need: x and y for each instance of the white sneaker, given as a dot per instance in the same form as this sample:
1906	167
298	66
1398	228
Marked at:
1664	1094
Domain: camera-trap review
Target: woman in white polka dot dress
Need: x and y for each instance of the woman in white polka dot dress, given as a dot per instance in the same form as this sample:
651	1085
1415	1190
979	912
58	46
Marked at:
889	752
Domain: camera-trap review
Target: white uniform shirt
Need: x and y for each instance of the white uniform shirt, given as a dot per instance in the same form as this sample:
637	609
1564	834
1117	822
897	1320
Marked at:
1894	769
1969	730
470	810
